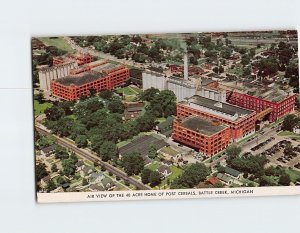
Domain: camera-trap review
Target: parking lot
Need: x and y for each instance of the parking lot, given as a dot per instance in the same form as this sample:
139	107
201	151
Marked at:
274	147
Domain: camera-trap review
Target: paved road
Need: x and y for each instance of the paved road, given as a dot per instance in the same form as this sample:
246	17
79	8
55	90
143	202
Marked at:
93	158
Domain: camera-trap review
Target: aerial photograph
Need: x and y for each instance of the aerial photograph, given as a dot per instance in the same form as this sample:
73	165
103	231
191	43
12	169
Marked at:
166	111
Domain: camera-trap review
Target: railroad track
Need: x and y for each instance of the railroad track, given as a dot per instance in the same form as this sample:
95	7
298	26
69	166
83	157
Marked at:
94	158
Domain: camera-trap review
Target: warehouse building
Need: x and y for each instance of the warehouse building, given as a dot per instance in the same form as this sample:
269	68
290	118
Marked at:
270	103
103	77
241	121
207	136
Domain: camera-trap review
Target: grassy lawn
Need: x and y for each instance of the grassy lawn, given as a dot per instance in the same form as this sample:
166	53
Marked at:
169	151
129	90
294	175
136	90
289	134
175	173
40	108
153	166
58	42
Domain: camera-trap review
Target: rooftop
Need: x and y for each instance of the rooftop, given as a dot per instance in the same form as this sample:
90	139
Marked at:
218	106
80	79
213	180
224	177
181	82
231	171
203	126
270	94
105	67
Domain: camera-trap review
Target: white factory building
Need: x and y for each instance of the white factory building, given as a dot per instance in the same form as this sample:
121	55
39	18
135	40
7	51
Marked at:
54	72
182	87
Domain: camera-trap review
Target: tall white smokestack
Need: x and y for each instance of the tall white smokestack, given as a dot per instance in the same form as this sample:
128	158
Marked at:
185	68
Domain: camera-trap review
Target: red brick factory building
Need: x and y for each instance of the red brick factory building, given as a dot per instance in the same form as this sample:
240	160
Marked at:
104	76
270	102
207	136
240	121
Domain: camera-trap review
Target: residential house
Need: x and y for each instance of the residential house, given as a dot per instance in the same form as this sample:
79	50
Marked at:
108	184
213	180
96	177
164	170
225	178
167	163
79	165
48	150
86	171
232	172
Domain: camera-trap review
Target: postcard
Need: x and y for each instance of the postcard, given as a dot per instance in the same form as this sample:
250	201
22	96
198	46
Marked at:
166	116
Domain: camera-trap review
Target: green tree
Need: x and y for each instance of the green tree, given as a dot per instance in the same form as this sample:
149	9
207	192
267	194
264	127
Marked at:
146	122
163	104
108	150
154	178
145	175
54	113
81	141
132	163
61	152
67	106
69	166
149	94
115	105
191	176
289	122
245	59
40	171
152	151
284	180
106	94
233	151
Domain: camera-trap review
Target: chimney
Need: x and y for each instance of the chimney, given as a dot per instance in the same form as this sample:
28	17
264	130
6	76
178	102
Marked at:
185	68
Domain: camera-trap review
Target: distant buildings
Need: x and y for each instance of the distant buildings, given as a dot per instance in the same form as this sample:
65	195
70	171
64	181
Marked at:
80	59
103	76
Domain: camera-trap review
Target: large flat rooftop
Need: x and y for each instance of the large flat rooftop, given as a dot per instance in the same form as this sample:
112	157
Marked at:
105	67
80	79
256	89
203	126
269	94
225	108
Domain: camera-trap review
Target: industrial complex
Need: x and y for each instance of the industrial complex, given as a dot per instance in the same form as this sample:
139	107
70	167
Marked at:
203	98
174	111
